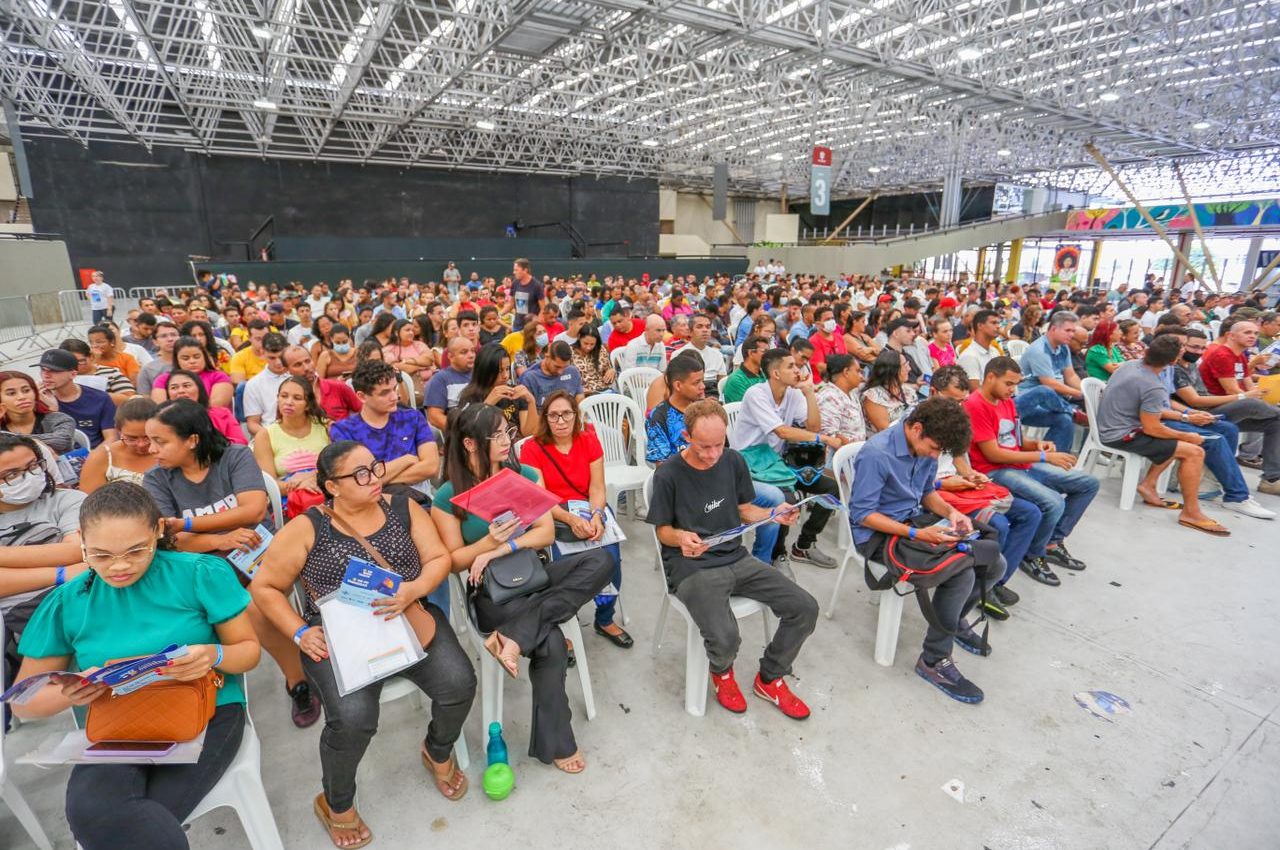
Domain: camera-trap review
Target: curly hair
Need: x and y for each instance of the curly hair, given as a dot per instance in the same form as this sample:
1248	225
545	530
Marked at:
944	421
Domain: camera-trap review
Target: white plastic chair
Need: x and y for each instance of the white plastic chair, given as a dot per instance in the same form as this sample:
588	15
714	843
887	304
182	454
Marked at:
1015	348
411	394
720	387
80	440
9	791
398	688
611	410
275	503
697	673
493	677
634	383
615	360
1094	449
241	789
731	410
620	475
890	601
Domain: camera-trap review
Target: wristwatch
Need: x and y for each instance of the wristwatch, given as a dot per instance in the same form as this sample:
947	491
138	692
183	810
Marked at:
1240	396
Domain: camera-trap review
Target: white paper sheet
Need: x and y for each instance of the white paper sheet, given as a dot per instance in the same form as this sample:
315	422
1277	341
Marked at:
364	648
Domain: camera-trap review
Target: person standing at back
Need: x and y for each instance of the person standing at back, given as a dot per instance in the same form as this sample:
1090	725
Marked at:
527	293
102	302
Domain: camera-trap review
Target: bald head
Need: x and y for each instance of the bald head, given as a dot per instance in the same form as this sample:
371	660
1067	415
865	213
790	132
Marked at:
462	354
654	328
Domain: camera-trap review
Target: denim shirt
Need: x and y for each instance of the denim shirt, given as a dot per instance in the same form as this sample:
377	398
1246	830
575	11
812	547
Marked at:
888	479
1041	359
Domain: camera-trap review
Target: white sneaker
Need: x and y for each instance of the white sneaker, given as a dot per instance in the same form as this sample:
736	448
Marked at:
1250	507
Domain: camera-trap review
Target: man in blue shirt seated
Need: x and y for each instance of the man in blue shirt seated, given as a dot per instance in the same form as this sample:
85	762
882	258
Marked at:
893	484
1050	388
397	436
553	372
664	427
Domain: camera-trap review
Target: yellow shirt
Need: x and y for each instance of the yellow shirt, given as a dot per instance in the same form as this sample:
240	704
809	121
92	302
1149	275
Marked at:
247	362
513	342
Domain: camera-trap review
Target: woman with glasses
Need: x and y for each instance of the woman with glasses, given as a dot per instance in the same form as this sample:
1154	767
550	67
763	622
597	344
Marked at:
128	457
184	384
24	409
190	354
212	497
570	458
39	532
477	447
287	448
139	598
317	550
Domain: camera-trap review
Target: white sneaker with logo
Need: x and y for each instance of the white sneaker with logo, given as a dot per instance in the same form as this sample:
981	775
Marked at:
1250	507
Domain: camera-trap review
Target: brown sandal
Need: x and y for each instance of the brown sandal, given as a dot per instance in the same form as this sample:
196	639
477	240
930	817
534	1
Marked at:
1208	526
494	644
444	783
563	764
325	814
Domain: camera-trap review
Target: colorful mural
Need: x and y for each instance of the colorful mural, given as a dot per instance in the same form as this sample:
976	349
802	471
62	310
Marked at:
1176	216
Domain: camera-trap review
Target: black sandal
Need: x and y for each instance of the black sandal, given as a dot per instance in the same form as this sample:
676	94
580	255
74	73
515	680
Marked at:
622	640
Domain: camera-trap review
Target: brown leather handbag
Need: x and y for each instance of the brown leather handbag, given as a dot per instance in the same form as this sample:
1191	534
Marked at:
167	710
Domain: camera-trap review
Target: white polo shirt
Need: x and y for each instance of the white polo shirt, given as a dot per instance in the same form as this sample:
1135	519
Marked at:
759	415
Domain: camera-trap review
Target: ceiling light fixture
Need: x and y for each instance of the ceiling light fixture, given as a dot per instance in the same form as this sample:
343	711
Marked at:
1109	97
269	105
874	169
968	54
1201	125
262	31
485	125
776	157
1003	152
650	143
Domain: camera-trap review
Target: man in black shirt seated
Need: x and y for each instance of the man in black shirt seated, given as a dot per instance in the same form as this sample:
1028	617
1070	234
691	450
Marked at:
705	490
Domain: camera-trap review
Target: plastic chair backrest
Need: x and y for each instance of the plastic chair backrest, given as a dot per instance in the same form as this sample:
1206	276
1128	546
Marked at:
842	468
1016	348
634	383
615	360
731	410
611	410
1091	389
407	380
80	439
720	387
274	502
615	449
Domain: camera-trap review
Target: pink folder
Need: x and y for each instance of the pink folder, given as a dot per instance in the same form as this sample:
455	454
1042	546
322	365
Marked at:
507	491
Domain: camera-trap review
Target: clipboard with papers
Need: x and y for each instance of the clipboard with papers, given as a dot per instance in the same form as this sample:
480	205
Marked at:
829	502
613	532
364	647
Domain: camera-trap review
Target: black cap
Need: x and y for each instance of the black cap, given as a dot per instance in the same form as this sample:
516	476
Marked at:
623	306
57	360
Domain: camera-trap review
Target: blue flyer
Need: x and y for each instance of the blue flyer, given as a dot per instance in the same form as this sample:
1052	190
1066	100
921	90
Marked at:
365	582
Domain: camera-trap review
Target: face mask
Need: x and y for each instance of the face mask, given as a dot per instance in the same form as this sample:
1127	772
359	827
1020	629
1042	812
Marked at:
342	348
1191	356
24	490
541	340
829	326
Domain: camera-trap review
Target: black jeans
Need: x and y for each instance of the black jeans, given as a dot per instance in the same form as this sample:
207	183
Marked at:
142	807
350	722
533	622
706	594
817	519
952	600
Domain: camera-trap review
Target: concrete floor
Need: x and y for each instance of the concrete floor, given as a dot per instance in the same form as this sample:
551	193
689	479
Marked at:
1180	624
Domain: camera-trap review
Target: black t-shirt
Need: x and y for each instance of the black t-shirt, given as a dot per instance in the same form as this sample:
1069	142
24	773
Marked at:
704	501
528	298
487	337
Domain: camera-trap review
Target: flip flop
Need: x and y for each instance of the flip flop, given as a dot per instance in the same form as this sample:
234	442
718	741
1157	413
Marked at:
325	815
1208	526
444	784
1167	504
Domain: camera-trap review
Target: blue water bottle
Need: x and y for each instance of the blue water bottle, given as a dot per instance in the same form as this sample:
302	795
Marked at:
497	748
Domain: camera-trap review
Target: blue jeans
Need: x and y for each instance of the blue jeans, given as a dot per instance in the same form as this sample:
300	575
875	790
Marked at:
1016	527
1041	407
1060	495
604	613
1220	456
767	496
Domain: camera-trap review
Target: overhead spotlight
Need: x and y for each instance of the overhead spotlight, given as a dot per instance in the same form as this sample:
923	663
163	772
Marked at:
968	54
873	169
269	105
1201	125
485	125
650	143
1004	152
262	31
776	157
1109	97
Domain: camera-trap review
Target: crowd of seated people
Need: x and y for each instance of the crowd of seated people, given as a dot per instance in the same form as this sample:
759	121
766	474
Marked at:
214	396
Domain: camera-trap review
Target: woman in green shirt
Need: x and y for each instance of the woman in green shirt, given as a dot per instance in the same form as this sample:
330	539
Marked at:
1104	355
479	446
138	598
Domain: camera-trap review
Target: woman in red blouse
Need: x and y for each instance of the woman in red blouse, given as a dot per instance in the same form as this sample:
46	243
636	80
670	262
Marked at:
571	460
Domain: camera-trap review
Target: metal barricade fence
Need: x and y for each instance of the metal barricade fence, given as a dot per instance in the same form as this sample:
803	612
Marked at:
15	319
137	293
74	304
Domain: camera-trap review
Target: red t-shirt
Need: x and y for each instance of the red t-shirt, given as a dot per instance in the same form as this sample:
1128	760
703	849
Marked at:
566	476
1219	361
554	330
824	347
617	339
997	422
338	400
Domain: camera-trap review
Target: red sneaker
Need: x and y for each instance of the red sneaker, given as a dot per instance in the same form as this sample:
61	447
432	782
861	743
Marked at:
780	695
727	691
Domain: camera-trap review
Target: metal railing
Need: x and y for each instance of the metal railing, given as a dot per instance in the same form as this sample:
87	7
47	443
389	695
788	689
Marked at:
38	320
884	233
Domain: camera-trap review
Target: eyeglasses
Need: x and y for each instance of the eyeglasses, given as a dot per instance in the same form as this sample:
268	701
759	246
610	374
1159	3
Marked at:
564	416
13	475
105	560
510	434
135	441
365	475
